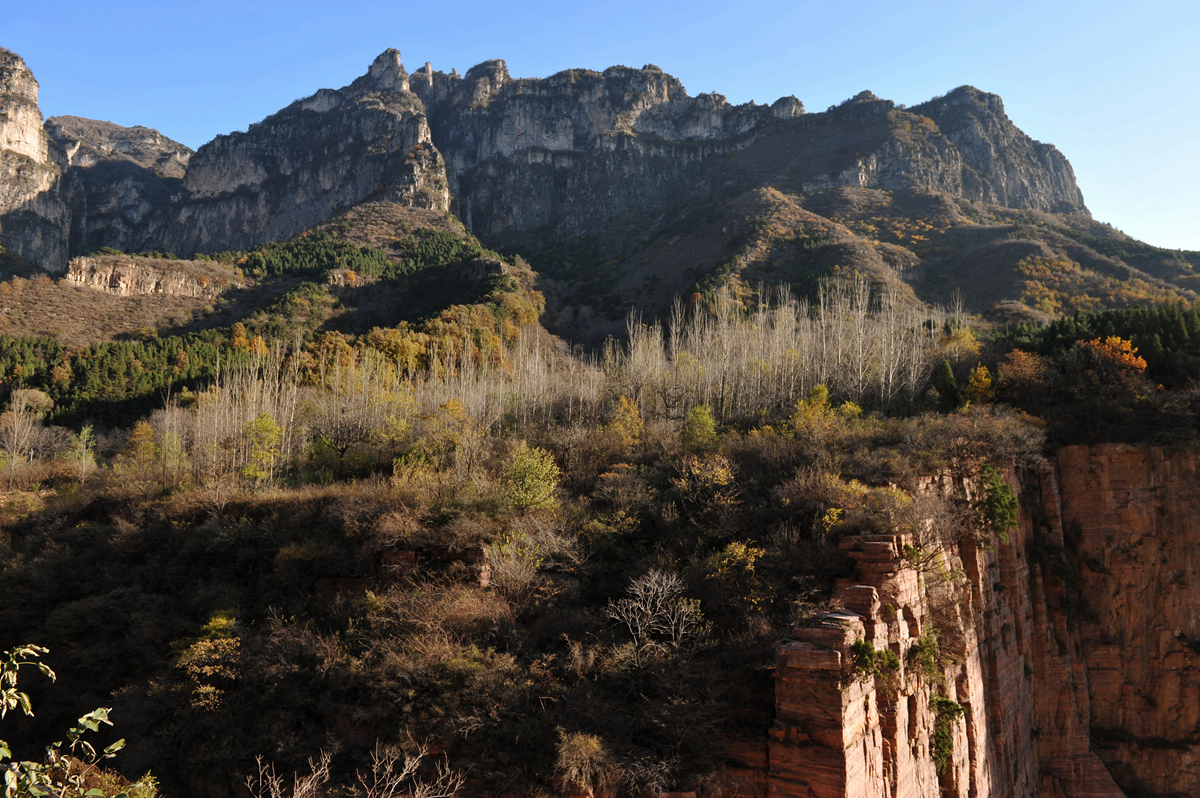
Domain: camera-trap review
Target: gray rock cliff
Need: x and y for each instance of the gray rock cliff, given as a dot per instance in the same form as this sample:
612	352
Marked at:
1002	165
116	177
557	157
293	170
33	215
579	147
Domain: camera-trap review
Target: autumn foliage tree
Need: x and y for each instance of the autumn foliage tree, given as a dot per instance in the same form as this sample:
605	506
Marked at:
1106	377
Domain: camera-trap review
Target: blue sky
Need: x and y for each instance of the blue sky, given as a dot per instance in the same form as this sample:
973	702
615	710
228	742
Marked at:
1114	85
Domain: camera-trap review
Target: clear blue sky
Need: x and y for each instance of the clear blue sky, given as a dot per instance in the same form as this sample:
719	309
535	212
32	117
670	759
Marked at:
1115	85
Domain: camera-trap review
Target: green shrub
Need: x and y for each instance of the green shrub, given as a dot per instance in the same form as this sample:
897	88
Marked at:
870	662
998	505
529	480
947	386
924	656
945	714
699	429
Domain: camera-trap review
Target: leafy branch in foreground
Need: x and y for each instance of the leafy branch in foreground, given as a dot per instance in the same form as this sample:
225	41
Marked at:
63	774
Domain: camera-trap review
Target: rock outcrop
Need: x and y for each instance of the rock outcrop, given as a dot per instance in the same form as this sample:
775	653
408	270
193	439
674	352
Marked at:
88	142
33	216
1073	651
126	276
561	157
1002	165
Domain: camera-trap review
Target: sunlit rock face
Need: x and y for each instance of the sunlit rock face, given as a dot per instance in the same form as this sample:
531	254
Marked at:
127	276
1002	165
33	215
1073	650
293	170
567	153
559	156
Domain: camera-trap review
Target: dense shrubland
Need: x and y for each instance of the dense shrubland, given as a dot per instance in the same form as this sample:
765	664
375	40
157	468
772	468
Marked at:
552	572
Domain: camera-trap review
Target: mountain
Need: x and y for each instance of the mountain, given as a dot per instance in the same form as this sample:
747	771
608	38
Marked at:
621	189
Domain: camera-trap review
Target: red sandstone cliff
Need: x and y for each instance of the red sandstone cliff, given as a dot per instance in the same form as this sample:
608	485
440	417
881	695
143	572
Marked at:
1074	659
1132	517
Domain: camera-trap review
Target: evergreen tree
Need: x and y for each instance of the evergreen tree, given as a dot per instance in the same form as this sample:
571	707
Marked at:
947	386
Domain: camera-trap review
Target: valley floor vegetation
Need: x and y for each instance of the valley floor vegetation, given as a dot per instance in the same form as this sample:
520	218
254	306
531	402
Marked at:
501	567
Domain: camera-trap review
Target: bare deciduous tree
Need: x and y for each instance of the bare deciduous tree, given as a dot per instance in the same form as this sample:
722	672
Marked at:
658	616
20	427
266	783
393	774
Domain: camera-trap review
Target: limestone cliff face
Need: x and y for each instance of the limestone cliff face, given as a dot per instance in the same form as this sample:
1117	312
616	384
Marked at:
577	148
568	153
134	189
126	276
116	178
294	169
560	156
33	216
1074	651
1002	165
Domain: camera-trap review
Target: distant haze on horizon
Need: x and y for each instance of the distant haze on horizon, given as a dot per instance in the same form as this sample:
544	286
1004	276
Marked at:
1113	86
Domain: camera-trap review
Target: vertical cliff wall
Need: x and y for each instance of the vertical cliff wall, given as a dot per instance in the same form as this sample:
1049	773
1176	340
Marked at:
293	170
1072	651
1132	515
34	219
554	157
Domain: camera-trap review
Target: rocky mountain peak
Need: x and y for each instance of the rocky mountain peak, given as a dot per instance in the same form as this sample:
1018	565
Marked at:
15	78
20	118
970	96
387	72
1002	165
787	107
495	70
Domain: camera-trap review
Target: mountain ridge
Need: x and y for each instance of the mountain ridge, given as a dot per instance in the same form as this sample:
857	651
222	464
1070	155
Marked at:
616	164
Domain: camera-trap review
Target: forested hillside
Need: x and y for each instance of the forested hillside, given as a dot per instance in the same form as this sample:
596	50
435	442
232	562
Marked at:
542	569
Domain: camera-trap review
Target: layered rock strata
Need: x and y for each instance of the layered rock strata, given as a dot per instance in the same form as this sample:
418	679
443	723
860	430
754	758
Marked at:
126	276
1073	651
1133	516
